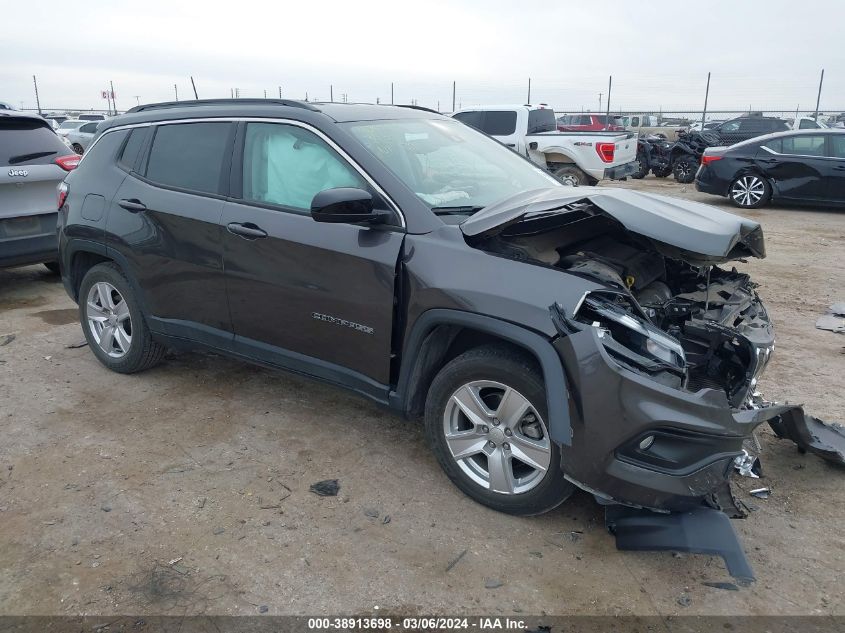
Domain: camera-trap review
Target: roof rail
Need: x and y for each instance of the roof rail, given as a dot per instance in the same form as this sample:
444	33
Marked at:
414	107
212	102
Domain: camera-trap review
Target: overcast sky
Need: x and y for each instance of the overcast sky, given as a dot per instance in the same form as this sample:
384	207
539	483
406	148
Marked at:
763	54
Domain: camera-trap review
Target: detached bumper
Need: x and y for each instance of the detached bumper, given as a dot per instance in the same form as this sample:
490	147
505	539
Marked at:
621	171
643	444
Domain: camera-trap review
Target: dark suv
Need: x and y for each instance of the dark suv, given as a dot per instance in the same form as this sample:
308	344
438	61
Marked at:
748	127
553	337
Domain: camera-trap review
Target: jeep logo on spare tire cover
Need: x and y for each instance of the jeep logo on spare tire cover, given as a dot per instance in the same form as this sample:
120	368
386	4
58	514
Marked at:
18	172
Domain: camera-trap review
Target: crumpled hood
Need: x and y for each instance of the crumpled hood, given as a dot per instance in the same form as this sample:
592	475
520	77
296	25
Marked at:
699	233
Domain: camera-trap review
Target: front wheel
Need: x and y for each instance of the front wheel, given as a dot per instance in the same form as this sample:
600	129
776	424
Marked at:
750	191
684	168
113	323
642	168
485	420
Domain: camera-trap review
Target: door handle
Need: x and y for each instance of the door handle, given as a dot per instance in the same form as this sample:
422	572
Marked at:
248	230
133	204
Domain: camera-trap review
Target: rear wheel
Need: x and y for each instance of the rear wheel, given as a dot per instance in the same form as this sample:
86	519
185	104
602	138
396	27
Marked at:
485	420
113	323
77	148
685	168
571	175
662	172
750	191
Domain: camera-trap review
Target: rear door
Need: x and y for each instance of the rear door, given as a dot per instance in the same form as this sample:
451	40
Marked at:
164	222
314	297
836	174
797	164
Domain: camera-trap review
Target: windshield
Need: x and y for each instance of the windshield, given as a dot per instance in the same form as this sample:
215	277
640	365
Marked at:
71	125
450	166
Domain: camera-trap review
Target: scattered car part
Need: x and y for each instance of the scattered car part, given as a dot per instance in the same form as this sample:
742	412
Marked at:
760	493
811	434
326	488
747	465
700	531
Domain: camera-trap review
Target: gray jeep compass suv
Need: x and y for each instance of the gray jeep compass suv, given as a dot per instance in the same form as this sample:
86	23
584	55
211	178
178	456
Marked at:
552	337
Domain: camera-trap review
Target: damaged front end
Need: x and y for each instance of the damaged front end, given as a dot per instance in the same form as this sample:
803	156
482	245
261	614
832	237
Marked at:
663	362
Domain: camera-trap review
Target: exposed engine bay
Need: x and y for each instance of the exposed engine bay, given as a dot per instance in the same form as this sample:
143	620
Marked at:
713	313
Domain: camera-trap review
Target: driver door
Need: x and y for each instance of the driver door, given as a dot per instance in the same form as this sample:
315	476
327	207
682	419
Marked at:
313	297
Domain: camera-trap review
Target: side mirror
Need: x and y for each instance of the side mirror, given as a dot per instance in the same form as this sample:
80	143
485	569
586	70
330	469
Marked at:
345	205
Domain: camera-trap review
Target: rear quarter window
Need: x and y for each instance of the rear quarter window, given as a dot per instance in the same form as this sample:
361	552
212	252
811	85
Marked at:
133	146
28	142
541	121
470	118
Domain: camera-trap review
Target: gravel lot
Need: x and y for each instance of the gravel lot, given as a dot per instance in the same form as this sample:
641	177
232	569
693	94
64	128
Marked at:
185	489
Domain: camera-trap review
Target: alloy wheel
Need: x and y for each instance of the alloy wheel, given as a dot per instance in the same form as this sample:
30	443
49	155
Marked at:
497	437
748	191
108	319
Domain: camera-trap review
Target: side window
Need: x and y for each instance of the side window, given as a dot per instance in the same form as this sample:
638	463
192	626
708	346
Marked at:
754	125
808	124
775	144
804	145
129	155
499	123
288	166
189	155
837	145
730	126
471	118
89	128
635	121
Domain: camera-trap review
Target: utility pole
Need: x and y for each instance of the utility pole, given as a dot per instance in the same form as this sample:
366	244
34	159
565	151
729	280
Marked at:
280	92
237	93
194	86
113	104
391	93
609	86
231	93
265	93
37	100
331	93
815	116
600	95
706	96
176	91
137	99
453	96
529	91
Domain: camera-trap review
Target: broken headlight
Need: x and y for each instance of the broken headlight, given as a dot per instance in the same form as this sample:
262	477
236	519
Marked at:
629	337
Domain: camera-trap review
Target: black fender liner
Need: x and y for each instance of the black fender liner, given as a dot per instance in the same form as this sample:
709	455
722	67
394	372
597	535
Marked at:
557	394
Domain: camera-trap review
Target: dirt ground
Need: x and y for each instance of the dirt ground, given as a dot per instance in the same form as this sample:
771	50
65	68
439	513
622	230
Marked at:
185	489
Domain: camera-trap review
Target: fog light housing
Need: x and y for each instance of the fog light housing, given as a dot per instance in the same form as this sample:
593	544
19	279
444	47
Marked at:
646	442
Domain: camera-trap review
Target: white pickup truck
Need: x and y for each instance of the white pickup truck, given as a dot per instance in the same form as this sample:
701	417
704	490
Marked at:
575	158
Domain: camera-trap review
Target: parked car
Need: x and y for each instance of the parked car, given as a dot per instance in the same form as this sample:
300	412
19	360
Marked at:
33	161
91	117
744	128
81	137
422	264
805	123
649	125
587	123
799	166
575	158
6	106
66	127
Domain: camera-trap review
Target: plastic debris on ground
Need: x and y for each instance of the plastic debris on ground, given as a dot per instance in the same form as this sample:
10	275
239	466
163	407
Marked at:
326	488
747	465
760	493
834	319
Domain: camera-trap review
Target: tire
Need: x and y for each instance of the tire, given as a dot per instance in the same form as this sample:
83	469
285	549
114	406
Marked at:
661	172
642	172
113	323
53	267
571	175
750	191
76	147
684	168
480	378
